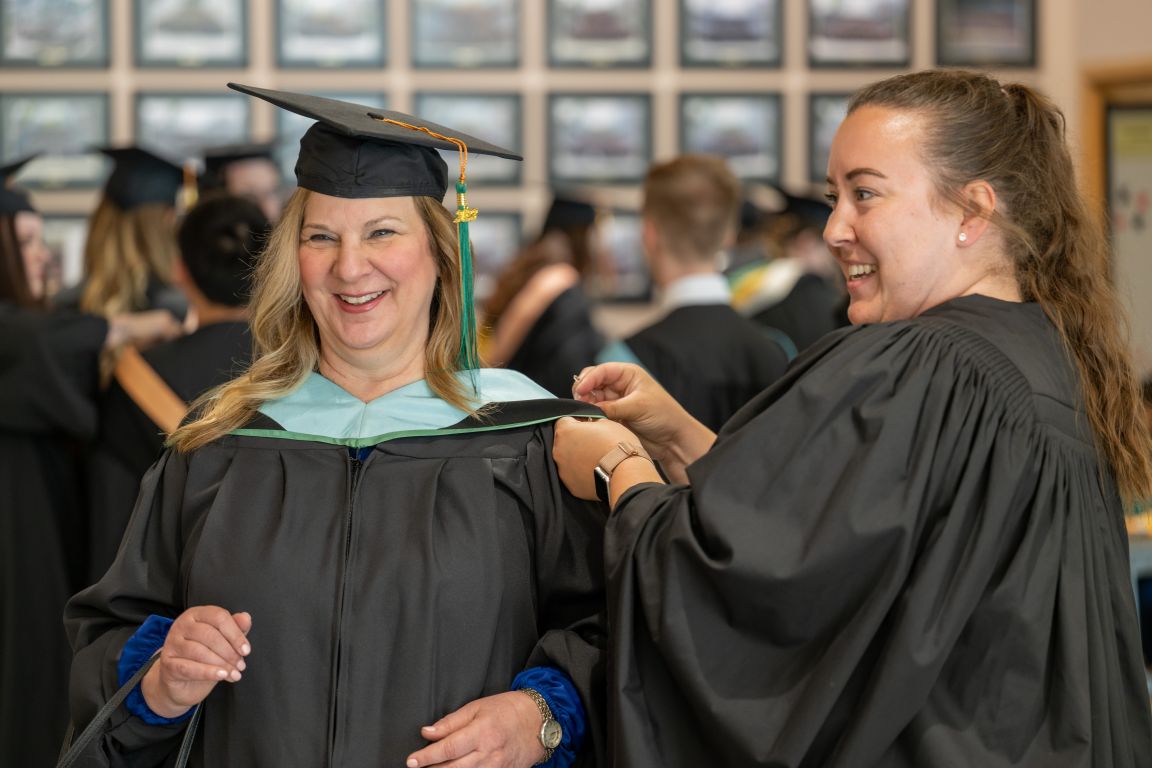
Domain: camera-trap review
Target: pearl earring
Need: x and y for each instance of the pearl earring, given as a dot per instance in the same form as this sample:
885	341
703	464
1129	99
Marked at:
963	237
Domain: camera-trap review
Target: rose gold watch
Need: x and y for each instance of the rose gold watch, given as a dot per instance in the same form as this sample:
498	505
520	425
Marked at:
602	474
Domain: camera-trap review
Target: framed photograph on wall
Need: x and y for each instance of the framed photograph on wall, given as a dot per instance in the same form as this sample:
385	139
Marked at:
65	127
290	127
599	137
191	33
54	33
744	128
65	234
496	239
494	117
181	124
825	113
466	34
596	33
320	33
986	33
738	33
627	277
861	33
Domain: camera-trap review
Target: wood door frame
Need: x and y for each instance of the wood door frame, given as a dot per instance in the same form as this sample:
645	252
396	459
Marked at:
1128	82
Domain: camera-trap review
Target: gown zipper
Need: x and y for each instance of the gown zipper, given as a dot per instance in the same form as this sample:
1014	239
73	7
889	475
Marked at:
355	465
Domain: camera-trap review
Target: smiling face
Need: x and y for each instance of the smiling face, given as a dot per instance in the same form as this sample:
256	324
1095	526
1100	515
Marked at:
368	276
897	242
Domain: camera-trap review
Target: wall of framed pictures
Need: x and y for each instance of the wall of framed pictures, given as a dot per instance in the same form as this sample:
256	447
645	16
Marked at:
591	91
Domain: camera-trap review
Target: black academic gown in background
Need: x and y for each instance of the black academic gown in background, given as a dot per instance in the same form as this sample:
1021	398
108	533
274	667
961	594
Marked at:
384	593
561	343
709	358
903	554
48	383
129	441
810	310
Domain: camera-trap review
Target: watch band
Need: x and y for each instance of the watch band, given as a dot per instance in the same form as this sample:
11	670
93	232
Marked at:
546	720
602	472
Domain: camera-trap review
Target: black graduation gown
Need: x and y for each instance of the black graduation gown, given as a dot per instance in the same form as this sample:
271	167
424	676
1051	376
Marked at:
903	554
384	594
48	381
809	311
128	441
561	343
710	359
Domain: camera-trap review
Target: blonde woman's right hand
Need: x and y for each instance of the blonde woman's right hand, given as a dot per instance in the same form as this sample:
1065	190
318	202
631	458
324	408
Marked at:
206	645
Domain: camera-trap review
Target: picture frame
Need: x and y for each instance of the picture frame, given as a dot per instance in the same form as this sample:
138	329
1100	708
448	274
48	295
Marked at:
183	123
323	34
290	127
595	33
54	33
745	33
620	237
744	128
497	237
494	117
825	113
191	33
64	126
1000	33
1128	177
465	34
863	33
599	137
65	235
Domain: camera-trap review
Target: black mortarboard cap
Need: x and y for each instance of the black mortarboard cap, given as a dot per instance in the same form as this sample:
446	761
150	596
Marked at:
812	211
140	177
357	151
567	212
12	200
216	159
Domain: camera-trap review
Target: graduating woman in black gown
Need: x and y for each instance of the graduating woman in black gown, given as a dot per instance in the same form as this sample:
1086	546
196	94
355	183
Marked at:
48	389
359	553
911	550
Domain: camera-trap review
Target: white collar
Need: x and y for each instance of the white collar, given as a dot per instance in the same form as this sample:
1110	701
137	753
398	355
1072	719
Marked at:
709	288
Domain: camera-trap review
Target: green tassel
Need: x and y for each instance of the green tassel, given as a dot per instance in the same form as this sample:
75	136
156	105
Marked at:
469	357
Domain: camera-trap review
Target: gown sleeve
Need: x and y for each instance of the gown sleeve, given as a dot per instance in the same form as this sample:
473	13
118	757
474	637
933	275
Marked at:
798	601
570	588
102	618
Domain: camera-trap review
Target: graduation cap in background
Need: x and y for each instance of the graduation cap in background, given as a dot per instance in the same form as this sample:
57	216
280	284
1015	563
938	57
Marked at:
13	200
140	176
357	151
217	159
568	212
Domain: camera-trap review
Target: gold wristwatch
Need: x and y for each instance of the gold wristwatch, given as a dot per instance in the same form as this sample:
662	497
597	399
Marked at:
550	731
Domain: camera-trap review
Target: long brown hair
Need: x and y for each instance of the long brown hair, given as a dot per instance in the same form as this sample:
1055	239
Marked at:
14	286
125	248
285	338
1013	137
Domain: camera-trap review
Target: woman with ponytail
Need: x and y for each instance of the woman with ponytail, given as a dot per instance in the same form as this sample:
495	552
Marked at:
358	552
911	550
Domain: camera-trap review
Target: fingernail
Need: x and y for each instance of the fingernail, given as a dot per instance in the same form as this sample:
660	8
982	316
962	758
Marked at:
412	763
221	673
429	728
240	665
235	676
245	649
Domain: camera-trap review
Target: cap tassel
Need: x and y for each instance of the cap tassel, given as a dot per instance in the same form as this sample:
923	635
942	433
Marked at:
469	357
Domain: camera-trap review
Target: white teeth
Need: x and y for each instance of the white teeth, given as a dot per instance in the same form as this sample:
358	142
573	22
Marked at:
860	270
361	299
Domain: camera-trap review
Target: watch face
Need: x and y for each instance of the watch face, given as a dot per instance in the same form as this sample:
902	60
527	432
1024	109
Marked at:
600	478
550	734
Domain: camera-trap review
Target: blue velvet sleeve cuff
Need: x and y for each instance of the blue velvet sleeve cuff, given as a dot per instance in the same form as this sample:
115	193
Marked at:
135	654
564	701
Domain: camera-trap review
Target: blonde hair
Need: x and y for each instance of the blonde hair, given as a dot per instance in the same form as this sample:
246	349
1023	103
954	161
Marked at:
1012	137
285	338
123	250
